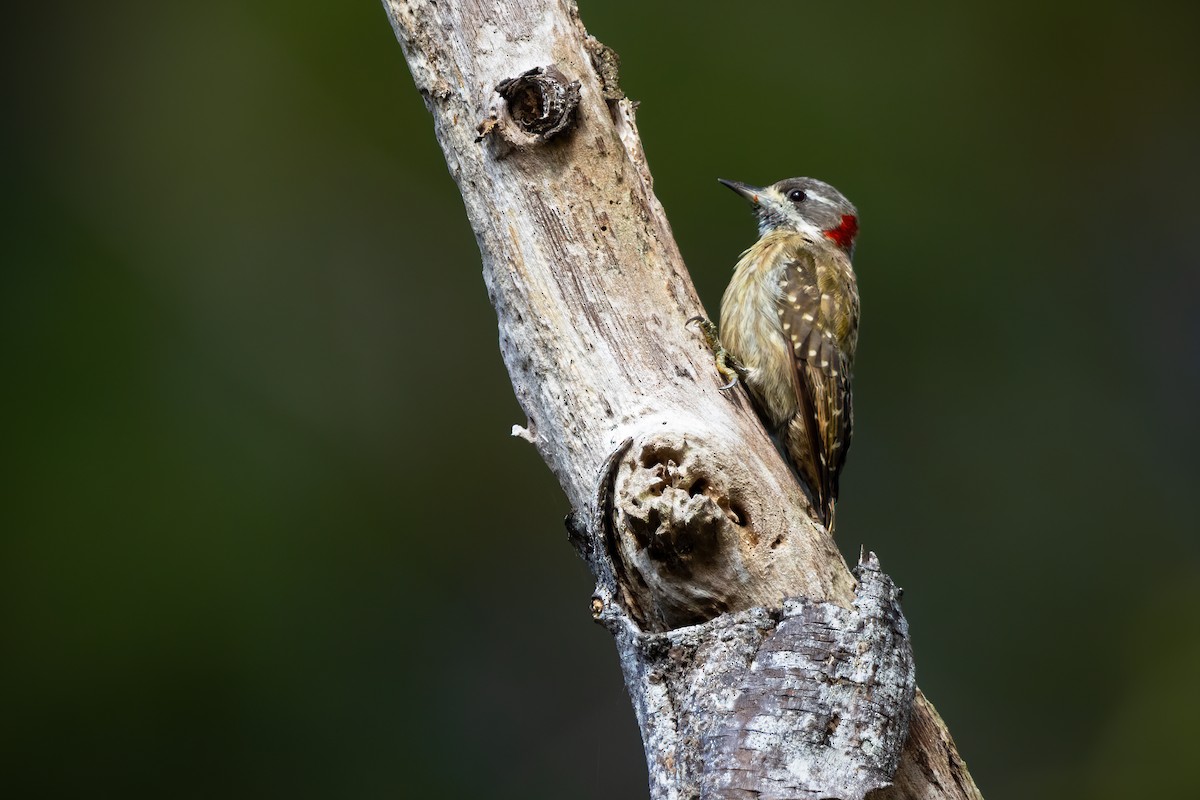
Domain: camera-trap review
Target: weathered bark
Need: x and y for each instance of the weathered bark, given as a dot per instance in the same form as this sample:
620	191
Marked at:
753	667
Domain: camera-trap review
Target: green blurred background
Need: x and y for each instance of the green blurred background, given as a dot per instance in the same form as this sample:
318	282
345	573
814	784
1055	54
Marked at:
262	512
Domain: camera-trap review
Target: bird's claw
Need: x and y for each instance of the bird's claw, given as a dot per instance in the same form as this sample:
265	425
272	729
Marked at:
729	368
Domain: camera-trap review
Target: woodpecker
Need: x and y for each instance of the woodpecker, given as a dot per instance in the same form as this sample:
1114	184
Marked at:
789	327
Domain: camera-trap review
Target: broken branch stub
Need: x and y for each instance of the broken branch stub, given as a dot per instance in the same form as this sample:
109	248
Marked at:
538	105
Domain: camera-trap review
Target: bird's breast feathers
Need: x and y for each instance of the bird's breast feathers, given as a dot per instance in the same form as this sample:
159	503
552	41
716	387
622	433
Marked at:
792	299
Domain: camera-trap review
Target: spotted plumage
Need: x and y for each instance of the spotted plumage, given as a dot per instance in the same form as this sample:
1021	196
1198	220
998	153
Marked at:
790	320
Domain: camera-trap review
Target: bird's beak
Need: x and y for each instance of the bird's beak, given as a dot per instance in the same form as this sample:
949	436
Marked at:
747	191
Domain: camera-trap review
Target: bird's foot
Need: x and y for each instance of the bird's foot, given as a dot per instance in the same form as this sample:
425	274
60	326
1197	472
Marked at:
730	369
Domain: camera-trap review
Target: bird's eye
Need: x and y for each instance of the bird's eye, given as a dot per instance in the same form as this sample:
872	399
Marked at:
797	195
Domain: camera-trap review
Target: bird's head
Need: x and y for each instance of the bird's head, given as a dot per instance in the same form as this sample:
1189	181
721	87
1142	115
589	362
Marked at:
804	205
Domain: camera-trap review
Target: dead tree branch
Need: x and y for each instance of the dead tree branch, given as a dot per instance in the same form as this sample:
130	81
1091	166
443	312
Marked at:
757	665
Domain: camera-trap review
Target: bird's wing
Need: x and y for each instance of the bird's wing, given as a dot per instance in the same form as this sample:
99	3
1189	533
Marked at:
819	436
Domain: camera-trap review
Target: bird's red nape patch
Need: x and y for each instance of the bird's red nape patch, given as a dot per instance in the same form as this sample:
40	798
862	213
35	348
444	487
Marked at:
844	234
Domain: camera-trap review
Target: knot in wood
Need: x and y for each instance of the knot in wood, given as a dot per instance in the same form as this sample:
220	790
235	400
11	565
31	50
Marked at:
681	532
541	102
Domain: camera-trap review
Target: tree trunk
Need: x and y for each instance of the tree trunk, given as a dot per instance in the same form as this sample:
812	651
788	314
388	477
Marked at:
757	665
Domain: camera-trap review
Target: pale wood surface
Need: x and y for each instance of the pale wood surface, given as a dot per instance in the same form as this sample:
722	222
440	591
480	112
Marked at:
684	509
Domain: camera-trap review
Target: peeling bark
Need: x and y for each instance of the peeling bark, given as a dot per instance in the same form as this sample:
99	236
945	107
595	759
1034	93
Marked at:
811	701
754	667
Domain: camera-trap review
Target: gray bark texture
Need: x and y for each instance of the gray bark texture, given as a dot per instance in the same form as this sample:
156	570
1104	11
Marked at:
758	665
